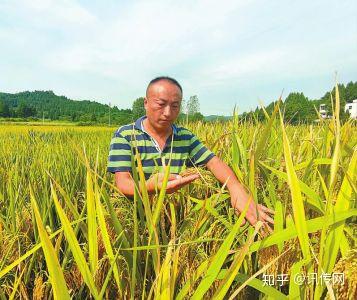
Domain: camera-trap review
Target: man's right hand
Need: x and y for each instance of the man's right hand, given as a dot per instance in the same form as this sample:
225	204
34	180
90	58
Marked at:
175	182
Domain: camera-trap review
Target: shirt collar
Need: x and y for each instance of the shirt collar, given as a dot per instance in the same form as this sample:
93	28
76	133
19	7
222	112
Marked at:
139	125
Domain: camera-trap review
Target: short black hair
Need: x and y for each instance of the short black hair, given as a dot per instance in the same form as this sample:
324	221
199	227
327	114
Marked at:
166	78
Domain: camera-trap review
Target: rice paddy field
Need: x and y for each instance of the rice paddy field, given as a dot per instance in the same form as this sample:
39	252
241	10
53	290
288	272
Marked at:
66	232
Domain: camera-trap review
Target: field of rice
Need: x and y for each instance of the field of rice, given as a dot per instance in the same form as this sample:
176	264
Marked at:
66	232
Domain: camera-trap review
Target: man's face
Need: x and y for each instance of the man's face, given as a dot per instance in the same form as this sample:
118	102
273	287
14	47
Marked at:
162	104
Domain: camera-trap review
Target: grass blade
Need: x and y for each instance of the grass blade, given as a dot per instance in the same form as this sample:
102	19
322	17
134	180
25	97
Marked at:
219	258
297	202
236	264
279	222
57	280
74	246
92	224
106	241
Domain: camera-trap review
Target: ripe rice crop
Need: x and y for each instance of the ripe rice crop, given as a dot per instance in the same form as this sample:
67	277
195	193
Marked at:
66	231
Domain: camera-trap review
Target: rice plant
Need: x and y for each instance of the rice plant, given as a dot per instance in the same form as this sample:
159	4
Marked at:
66	231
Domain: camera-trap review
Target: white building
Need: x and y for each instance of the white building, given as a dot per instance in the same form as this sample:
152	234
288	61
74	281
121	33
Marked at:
323	111
351	108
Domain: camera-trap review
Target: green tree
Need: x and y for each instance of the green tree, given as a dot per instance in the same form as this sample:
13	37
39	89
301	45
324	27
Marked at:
138	108
74	116
298	109
197	117
4	109
25	111
93	117
183	106
351	91
192	106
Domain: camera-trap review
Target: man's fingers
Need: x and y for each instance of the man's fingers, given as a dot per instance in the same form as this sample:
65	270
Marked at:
265	217
173	177
237	212
161	176
189	178
266	209
172	184
252	219
269	219
262	212
181	181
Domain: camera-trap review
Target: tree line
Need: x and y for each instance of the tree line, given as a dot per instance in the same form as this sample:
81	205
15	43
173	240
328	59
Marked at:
46	105
299	109
49	106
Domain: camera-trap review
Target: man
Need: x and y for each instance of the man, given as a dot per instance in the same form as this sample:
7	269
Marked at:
155	135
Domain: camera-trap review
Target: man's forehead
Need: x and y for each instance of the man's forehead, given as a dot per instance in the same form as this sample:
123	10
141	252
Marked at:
163	86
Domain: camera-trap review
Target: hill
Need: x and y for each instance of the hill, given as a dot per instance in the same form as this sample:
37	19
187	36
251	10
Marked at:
46	104
217	118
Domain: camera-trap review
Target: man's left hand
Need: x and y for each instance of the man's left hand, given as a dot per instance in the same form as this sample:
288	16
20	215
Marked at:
255	212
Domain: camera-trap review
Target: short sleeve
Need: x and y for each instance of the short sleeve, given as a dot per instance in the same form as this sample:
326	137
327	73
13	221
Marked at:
199	154
119	159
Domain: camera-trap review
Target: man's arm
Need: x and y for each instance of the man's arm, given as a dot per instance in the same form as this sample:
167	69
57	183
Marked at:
239	195
126	184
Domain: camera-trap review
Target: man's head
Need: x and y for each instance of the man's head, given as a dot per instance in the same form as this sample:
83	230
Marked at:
162	102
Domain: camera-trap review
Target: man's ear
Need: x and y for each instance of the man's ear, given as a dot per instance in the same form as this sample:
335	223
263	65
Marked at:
145	102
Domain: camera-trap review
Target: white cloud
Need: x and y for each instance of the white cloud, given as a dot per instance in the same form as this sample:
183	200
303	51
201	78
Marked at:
150	34
244	65
213	47
48	13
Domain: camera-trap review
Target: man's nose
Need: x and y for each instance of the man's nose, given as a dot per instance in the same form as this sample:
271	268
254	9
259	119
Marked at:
167	111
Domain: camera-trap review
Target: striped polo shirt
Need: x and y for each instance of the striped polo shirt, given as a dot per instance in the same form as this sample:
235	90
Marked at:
187	150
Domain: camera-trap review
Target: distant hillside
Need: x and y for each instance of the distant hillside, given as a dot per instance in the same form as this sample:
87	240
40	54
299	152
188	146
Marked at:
46	104
217	118
299	109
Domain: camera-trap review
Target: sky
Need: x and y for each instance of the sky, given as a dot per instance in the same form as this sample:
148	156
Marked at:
228	53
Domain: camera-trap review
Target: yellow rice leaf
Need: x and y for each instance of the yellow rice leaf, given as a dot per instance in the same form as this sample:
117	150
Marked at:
74	246
92	224
296	198
56	276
